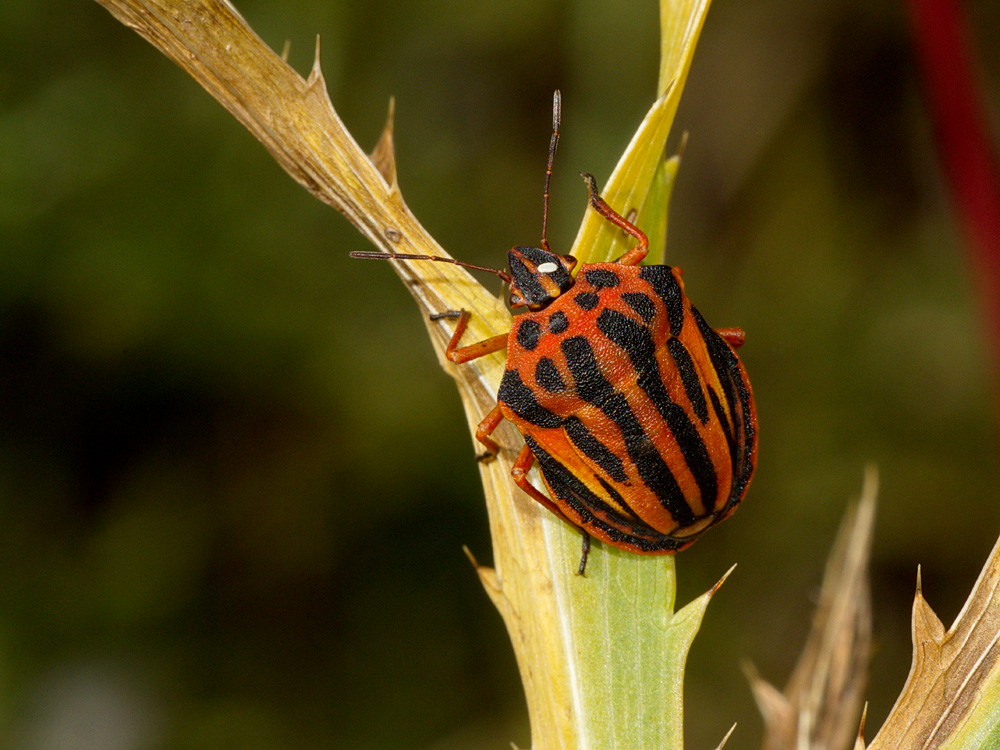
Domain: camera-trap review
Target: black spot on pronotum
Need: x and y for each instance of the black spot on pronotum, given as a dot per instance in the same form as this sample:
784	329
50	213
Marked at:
586	300
528	333
558	322
601	278
642	304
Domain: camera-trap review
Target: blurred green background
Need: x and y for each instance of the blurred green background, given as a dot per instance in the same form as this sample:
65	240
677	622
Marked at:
234	483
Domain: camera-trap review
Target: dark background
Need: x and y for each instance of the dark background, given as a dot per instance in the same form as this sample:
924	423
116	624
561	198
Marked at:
234	483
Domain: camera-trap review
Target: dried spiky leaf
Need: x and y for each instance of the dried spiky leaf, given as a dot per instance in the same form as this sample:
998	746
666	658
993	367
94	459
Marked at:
818	707
952	695
859	739
725	739
383	156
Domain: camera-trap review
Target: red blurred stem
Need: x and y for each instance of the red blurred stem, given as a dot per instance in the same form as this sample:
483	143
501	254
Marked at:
970	165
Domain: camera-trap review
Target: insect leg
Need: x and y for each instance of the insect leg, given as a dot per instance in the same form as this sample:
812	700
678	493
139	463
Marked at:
634	256
458	354
519	471
735	337
486	428
584	553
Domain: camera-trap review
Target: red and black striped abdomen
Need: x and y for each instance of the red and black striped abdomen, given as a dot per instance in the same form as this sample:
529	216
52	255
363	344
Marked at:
640	416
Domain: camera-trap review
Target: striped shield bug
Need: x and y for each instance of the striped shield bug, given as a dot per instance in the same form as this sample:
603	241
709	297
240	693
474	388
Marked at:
640	416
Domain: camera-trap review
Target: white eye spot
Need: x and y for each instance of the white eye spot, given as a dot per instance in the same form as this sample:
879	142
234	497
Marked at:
549	267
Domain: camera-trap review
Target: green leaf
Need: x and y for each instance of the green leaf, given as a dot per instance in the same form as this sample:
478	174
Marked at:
626	645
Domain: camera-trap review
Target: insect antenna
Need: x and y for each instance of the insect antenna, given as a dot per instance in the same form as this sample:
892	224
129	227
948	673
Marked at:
553	143
371	255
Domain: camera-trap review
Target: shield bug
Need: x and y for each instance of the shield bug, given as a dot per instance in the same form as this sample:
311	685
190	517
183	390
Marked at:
639	414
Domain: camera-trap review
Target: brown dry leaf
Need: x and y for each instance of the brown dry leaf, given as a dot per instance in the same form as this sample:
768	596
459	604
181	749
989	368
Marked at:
952	695
859	739
819	707
725	739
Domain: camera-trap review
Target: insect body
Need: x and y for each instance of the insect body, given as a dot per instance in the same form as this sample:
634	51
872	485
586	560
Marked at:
640	416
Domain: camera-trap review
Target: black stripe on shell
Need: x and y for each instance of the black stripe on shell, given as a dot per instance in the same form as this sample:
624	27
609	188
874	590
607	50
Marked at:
521	399
737	395
547	376
689	378
594	449
637	342
593	388
569	490
661	278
